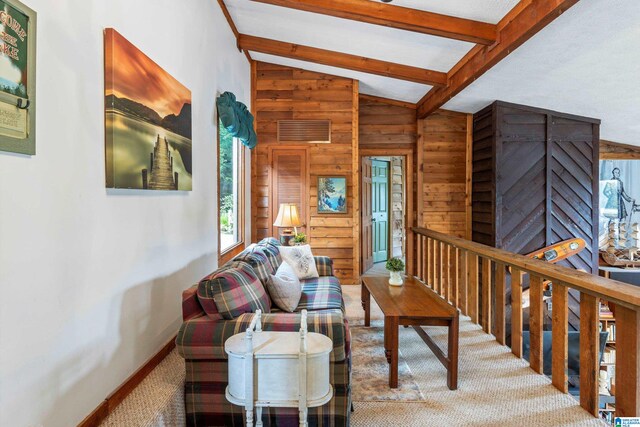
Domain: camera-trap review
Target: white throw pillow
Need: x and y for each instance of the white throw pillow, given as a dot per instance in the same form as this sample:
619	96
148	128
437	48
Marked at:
284	288
301	259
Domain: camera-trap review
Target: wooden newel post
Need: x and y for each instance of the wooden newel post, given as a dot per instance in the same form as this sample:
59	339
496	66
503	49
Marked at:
145	179
175	174
627	362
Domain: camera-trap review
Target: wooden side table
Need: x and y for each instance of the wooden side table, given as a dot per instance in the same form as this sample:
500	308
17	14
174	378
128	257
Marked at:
278	369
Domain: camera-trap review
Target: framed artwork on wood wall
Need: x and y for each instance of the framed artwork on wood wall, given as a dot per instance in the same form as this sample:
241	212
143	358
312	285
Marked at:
147	121
17	77
332	194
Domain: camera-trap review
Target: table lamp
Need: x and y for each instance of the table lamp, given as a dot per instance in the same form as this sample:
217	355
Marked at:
287	217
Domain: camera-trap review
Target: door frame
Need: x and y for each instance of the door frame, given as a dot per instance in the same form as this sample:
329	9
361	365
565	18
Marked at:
408	154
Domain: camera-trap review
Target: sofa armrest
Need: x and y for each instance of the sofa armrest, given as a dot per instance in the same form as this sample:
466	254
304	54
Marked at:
203	338
324	264
191	307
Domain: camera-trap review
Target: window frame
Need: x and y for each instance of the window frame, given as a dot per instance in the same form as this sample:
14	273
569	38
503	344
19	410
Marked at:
236	248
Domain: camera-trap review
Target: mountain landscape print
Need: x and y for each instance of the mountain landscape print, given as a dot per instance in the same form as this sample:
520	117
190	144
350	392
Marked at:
147	121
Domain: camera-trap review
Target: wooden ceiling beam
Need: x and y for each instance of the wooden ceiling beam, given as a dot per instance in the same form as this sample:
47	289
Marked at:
518	26
398	17
342	60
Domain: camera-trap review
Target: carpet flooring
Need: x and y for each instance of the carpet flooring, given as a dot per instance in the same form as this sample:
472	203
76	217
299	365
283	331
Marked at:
494	387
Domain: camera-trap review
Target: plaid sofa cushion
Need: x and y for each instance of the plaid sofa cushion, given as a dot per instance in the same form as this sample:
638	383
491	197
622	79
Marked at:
257	259
203	338
233	290
321	293
270	246
324	265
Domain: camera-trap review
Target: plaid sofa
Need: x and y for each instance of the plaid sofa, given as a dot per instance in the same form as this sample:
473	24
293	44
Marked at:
201	341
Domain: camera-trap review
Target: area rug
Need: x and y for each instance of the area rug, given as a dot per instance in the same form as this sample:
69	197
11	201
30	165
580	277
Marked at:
370	373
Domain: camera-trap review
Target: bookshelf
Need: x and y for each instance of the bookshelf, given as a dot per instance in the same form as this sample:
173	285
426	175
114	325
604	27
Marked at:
608	323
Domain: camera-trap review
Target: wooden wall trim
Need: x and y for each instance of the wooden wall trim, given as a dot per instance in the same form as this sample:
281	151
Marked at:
420	174
610	150
355	181
254	154
108	405
469	177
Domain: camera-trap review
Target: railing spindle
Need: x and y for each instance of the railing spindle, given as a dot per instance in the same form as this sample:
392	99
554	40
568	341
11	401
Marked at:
486	295
446	282
472	294
516	312
589	352
462	281
450	265
434	255
420	255
627	362
440	267
455	259
501	297
425	250
426	247
536	321
560	332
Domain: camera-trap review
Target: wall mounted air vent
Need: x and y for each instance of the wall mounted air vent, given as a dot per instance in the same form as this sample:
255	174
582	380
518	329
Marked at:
316	131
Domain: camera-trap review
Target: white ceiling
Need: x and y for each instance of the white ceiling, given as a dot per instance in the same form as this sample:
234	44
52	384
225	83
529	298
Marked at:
372	41
586	62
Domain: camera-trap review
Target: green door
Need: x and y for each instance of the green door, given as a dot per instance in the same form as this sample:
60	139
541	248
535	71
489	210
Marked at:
380	209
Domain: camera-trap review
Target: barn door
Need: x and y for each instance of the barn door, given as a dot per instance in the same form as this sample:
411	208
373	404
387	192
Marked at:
288	183
366	240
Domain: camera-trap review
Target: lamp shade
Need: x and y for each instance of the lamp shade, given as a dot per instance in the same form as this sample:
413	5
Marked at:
288	216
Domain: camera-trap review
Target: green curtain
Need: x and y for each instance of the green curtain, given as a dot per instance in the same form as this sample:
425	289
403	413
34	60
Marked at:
237	119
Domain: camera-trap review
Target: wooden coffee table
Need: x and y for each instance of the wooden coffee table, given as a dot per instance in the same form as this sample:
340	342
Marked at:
412	304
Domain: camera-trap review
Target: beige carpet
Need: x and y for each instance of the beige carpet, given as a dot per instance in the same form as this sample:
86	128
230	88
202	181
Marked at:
157	402
494	387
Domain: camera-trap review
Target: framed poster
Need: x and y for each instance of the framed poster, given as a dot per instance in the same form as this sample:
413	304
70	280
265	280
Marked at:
17	77
332	194
147	121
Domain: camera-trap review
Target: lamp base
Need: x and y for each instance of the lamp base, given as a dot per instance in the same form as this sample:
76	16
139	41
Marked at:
286	237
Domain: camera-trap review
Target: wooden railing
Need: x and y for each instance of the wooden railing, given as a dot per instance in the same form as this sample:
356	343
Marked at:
460	271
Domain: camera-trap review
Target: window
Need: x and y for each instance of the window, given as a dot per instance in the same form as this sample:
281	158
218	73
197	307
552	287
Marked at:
231	192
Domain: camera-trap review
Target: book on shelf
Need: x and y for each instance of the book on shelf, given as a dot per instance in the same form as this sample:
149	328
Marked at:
609	355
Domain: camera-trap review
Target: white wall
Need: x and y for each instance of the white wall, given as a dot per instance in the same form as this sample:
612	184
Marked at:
90	279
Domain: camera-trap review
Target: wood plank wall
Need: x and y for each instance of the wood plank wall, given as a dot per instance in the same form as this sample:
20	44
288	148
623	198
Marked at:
357	122
288	93
386	125
445	143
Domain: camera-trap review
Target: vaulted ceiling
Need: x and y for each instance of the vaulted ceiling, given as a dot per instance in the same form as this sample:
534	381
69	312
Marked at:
435	52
